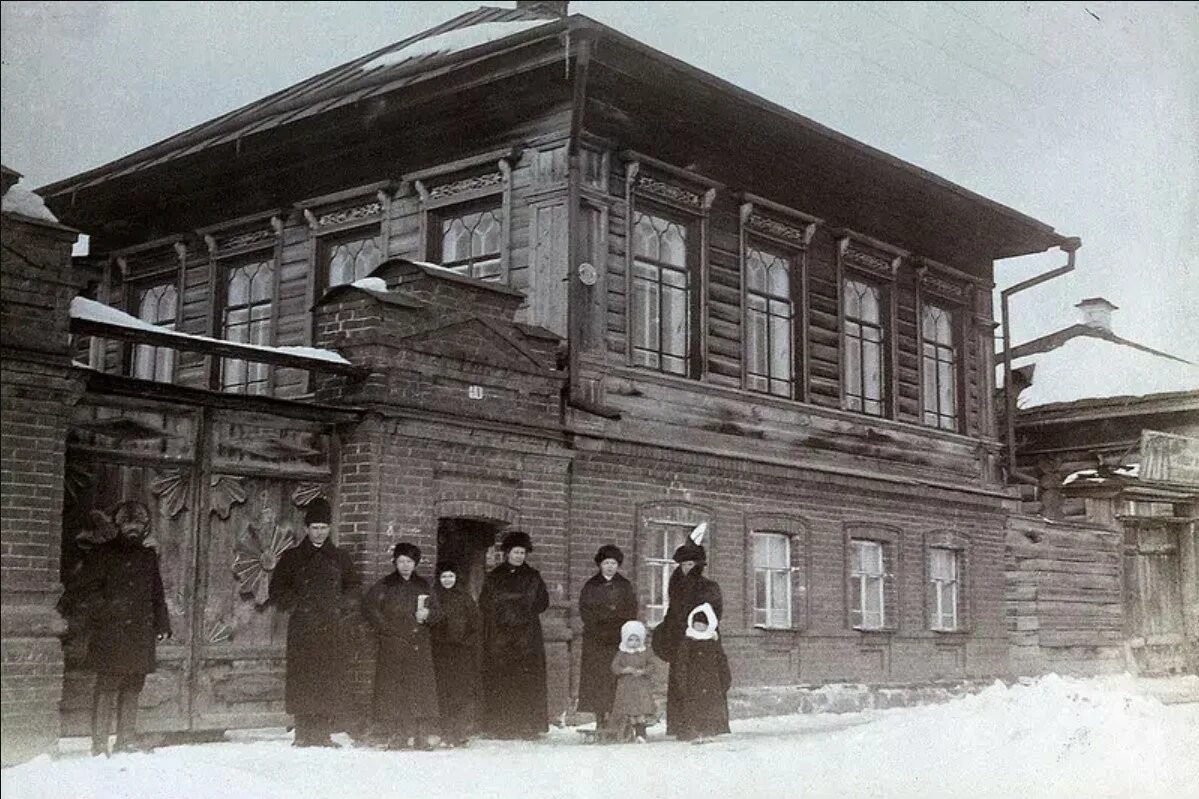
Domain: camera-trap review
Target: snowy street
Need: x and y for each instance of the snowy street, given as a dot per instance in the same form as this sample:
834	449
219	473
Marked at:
1055	737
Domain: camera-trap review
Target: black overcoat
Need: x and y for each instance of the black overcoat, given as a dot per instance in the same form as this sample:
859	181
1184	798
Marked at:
456	652
604	605
118	597
514	690
318	586
686	592
702	672
405	687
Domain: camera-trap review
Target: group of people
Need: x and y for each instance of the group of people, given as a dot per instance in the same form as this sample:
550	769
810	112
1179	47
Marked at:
616	677
446	666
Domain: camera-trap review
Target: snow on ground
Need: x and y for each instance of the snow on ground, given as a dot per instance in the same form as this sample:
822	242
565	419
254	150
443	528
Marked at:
1053	737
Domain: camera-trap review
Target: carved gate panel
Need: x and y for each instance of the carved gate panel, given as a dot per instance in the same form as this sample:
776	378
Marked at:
221	507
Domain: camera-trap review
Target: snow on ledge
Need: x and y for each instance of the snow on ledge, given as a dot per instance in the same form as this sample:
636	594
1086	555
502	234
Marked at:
1092	475
23	202
92	311
372	284
452	41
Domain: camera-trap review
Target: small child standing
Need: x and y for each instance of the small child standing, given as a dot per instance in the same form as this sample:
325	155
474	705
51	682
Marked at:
704	678
633	707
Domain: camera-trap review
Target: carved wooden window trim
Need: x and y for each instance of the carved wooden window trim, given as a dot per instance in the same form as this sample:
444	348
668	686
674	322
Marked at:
937	286
467	187
795	530
890	540
351	215
960	545
252	239
784	233
661	528
142	269
868	261
666	192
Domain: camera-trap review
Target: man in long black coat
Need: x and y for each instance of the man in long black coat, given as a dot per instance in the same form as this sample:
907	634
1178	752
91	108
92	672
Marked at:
688	590
119	599
606	602
512	601
316	581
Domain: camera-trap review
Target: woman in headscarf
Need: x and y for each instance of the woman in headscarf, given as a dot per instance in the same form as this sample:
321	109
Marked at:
401	608
688	589
606	602
512	601
456	655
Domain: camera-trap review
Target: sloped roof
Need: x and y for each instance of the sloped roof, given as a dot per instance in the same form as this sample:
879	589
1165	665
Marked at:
1096	364
377	72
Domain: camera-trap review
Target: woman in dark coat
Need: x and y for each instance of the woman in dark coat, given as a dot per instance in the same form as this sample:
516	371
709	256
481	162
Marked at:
401	608
606	602
316	582
512	601
118	597
456	641
688	590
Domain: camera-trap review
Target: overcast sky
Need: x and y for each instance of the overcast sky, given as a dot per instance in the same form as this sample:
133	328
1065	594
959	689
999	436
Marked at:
1083	115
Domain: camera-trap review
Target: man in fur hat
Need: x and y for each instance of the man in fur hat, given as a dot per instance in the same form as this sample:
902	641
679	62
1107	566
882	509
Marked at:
316	582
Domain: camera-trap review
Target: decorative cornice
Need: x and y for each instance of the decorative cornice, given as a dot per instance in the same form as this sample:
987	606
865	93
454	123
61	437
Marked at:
935	284
797	236
669	191
488	180
858	257
354	213
257	236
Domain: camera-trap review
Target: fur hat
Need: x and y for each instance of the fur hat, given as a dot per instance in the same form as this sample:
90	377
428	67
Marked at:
690	551
609	551
516	538
404	548
318	511
446	566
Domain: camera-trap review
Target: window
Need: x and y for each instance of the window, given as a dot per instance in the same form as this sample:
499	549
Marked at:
939	365
352	257
664	539
470	242
862	338
660	312
866	578
246	318
768	322
943	578
772	579
158	305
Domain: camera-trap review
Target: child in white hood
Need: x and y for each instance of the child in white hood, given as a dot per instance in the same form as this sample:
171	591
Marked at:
704	677
633	707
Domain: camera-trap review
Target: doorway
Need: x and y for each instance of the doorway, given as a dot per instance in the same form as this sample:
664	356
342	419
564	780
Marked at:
467	543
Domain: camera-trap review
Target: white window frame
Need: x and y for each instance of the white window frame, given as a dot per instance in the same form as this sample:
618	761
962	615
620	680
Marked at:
941	587
869	582
667	536
762	615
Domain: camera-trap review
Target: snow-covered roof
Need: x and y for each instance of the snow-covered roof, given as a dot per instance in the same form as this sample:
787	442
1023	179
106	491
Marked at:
374	284
23	202
1088	367
92	311
453	41
1093	476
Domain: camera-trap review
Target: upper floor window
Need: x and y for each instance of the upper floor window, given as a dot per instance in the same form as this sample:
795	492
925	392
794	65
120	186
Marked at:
471	241
246	318
939	363
943	567
769	314
157	304
350	257
660	310
863	333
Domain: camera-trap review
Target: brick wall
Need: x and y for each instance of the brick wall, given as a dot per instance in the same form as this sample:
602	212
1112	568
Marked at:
37	388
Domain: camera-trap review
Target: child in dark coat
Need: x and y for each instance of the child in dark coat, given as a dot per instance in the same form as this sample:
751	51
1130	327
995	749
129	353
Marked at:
704	678
633	707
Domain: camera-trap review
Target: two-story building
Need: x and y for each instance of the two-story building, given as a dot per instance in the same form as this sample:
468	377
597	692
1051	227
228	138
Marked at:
615	297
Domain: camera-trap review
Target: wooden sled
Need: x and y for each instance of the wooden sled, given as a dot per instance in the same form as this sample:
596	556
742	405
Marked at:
603	736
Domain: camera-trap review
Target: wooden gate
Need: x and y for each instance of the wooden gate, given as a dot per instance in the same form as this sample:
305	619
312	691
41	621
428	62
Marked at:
224	492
